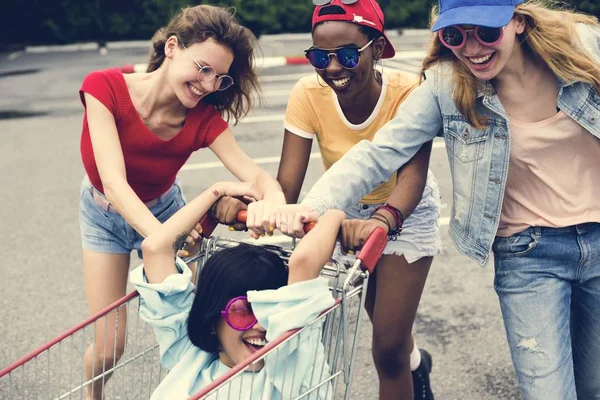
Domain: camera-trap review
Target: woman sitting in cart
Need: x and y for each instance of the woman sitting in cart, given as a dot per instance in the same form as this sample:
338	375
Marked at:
245	298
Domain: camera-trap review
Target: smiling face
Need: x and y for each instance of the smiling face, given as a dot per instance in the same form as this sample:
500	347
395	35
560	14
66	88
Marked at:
347	82
183	71
486	62
236	346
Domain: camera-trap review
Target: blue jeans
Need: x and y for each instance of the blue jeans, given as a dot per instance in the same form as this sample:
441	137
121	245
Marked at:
548	284
107	232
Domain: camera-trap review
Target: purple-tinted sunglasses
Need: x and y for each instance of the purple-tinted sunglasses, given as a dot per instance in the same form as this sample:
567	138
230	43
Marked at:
238	314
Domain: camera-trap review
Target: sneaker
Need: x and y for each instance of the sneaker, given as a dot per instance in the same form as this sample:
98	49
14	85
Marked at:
420	376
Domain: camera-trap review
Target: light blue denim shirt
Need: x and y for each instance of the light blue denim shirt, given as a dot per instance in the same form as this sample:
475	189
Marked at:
166	306
478	157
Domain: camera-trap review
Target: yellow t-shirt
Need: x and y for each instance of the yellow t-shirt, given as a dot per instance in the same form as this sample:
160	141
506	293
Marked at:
315	110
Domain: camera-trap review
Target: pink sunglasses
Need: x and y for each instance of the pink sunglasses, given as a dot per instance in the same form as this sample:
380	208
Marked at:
455	37
238	314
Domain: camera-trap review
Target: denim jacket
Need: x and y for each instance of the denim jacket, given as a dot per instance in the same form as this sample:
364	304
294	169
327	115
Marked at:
478	157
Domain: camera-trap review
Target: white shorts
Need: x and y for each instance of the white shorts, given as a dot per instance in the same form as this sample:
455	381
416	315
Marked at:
420	236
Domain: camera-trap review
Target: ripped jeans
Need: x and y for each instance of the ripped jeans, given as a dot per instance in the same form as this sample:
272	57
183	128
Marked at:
548	284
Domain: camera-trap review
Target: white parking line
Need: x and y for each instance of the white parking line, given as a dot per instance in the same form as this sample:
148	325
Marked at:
15	55
262	118
284	78
276	93
438	144
219	164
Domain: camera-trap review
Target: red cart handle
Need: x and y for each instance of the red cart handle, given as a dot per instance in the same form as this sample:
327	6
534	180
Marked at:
369	254
373	249
209	224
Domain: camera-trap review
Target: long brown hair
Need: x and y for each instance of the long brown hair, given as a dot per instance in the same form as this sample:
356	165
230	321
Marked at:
549	34
197	24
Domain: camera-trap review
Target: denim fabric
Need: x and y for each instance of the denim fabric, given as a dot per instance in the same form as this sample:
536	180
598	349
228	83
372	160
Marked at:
420	235
478	157
548	283
107	232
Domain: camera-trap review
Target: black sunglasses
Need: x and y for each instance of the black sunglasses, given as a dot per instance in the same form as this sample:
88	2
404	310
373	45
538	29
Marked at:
347	56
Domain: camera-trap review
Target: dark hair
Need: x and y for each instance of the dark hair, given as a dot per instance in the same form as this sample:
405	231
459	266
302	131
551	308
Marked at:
197	24
227	274
371	33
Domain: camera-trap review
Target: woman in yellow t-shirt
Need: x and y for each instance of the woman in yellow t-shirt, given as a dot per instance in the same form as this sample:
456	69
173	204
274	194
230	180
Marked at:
349	100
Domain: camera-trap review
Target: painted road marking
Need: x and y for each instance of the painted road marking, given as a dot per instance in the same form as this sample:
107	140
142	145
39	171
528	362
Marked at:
438	144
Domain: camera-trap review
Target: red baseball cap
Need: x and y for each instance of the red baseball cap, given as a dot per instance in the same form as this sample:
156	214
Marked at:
360	12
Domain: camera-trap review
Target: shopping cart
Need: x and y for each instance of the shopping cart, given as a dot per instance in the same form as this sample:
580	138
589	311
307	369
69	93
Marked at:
55	370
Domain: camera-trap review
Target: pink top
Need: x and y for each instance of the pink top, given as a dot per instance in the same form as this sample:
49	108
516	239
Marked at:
553	176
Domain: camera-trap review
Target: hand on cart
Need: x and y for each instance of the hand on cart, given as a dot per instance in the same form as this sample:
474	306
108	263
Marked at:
225	212
208	223
259	214
290	219
354	233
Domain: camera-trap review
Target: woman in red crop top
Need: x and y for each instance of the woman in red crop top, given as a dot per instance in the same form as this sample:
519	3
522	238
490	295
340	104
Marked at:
138	131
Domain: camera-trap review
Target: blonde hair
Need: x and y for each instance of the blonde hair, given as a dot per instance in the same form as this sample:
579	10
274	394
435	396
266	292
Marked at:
549	34
197	24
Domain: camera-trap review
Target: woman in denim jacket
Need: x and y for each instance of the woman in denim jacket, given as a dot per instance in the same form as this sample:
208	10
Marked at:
513	87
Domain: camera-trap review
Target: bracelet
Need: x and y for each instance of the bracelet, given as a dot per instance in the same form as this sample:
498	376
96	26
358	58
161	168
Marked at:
383	219
392	234
397	214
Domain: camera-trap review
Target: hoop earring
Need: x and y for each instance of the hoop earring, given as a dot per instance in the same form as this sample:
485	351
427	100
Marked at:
319	82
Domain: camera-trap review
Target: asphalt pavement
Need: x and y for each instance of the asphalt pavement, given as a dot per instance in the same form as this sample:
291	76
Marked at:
41	282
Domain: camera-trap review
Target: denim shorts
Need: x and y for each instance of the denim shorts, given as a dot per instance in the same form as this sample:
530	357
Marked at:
420	235
107	232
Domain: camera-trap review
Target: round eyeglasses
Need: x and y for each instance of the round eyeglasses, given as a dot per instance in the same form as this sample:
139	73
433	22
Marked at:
207	74
455	37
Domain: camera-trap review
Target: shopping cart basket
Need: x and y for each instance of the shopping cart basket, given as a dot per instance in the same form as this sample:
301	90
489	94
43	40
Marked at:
55	370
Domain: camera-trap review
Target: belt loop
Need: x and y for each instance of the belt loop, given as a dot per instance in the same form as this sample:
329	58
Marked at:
537	231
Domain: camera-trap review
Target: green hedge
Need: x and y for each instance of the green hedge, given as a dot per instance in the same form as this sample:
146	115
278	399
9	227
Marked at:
67	21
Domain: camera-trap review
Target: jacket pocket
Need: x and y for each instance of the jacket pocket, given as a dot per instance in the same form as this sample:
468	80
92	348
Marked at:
465	142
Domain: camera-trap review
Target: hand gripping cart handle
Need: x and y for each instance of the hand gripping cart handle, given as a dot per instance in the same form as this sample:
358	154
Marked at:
209	224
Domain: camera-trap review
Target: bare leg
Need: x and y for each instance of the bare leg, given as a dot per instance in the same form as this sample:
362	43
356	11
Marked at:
392	300
105	282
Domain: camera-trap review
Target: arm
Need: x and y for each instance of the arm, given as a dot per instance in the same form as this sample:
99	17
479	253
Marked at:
292	169
369	164
295	156
298	305
315	248
160	247
405	196
111	167
244	168
165	283
410	183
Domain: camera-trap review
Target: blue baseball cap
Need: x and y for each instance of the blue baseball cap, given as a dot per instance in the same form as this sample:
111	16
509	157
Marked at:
490	13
